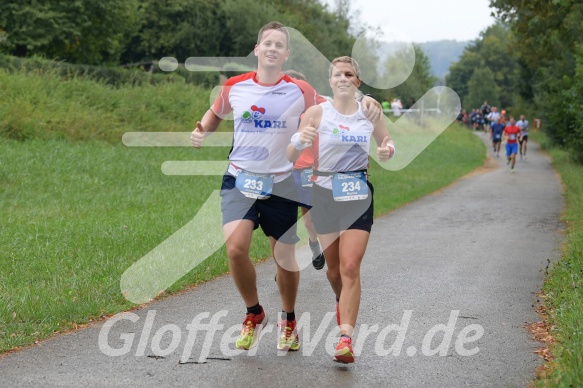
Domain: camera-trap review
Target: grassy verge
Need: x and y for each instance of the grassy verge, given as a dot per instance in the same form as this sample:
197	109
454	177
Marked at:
564	285
76	215
44	106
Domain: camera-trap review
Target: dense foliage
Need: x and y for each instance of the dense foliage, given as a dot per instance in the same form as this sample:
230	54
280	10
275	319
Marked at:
487	70
549	43
101	32
535	55
115	32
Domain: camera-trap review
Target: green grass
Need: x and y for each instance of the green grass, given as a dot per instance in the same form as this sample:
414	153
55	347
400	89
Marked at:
564	284
74	217
79	208
44	106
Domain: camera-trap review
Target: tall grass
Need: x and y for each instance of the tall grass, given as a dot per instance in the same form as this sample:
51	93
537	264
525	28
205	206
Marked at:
76	214
45	106
564	285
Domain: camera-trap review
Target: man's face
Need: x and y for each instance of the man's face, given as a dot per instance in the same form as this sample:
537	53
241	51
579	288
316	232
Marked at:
272	51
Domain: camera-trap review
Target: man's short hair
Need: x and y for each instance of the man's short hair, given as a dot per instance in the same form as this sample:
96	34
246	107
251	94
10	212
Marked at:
273	26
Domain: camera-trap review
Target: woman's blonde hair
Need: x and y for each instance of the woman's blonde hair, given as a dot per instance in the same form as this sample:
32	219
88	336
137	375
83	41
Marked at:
345	59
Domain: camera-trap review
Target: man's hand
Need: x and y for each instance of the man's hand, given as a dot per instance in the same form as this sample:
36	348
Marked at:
371	108
386	150
197	136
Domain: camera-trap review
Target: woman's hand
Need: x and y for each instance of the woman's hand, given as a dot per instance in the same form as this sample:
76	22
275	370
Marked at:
386	151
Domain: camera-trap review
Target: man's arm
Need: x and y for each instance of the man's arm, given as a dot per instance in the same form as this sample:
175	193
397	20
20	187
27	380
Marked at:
209	123
371	108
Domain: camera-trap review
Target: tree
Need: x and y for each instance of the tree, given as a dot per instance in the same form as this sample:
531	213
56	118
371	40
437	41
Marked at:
492	50
460	72
548	41
91	32
419	81
176	28
496	51
481	87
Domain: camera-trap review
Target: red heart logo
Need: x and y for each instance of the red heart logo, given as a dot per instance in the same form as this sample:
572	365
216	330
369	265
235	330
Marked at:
255	108
343	127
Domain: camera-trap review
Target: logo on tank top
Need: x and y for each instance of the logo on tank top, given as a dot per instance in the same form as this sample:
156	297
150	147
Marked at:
255	115
343	132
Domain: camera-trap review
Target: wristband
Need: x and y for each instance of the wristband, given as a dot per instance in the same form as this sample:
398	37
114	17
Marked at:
297	143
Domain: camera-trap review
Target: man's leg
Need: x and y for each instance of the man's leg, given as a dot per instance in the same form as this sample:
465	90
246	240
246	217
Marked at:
288	279
307	219
513	157
317	255
508	153
238	241
288	275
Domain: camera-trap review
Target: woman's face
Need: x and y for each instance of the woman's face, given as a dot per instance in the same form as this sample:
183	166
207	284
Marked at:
343	79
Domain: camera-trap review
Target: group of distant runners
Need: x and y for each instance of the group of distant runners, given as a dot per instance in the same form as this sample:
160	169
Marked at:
502	129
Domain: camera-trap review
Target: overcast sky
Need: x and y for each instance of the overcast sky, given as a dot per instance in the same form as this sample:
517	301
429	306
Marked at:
424	20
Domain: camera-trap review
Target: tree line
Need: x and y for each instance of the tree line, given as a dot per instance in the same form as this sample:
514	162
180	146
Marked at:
115	32
110	32
530	61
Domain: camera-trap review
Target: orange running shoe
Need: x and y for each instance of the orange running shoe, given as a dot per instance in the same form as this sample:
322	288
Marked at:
344	352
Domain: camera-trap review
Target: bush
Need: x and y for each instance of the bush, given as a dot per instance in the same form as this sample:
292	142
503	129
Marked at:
43	105
108	75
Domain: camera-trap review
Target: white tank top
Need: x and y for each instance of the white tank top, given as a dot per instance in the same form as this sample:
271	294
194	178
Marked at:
343	143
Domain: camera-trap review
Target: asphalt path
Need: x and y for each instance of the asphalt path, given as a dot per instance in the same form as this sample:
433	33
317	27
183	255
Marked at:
448	284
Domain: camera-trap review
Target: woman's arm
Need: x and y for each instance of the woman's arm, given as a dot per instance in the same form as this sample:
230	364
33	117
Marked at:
306	134
386	148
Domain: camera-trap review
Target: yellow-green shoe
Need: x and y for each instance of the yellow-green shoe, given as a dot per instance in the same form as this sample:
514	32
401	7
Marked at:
288	336
252	326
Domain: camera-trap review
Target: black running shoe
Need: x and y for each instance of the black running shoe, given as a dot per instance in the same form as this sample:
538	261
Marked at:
318	259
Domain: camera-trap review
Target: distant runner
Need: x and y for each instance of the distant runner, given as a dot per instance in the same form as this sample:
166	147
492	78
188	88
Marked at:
523	125
511	134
